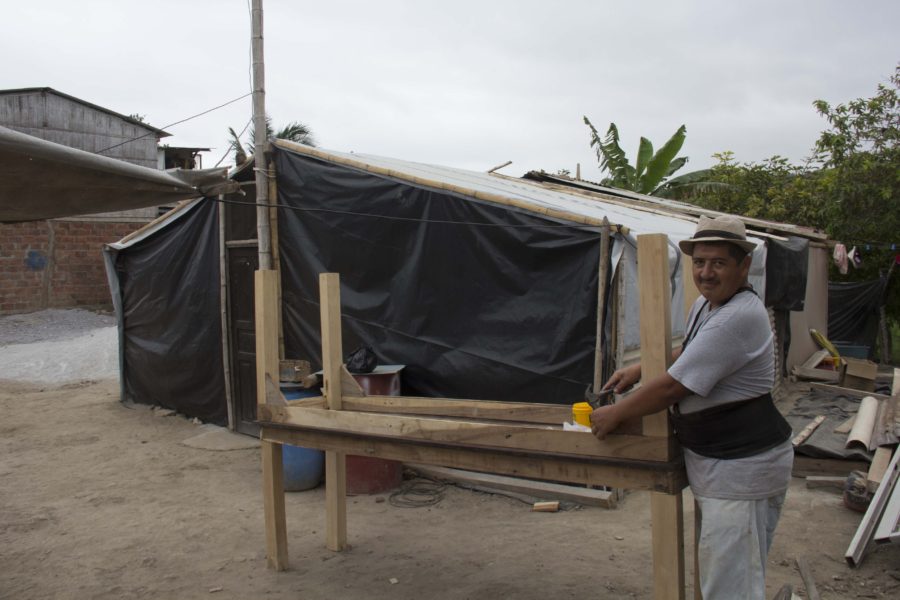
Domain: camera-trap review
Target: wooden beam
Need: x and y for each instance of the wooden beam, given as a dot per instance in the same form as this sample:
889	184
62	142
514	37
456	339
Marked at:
332	362
808	582
667	510
660	477
273	505
550	414
266	319
656	319
533	438
539	489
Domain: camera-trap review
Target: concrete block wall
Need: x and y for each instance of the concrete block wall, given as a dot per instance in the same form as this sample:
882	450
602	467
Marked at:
56	264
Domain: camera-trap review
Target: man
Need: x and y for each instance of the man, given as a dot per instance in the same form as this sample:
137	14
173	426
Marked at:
737	447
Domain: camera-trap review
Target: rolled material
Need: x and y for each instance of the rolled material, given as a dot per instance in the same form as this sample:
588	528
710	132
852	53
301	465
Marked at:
861	433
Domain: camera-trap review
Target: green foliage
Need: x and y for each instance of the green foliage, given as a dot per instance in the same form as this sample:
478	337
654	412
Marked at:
295	131
650	170
850	188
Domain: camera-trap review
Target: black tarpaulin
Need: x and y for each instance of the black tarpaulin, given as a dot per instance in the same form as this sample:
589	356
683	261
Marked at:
166	293
853	311
787	263
478	300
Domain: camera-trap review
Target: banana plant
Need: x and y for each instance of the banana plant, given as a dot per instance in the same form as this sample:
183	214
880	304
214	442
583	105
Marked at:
650	171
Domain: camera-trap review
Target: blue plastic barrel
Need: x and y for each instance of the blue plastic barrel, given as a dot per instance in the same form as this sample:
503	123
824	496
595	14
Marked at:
303	467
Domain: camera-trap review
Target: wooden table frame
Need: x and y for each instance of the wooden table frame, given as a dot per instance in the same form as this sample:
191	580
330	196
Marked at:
511	438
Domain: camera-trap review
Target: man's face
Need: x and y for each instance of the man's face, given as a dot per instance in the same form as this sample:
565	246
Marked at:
717	274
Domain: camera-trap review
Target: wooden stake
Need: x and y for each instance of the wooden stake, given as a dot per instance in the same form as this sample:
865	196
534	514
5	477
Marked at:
332	361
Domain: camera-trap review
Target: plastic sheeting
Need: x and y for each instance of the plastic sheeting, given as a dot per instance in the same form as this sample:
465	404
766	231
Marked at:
786	269
165	287
43	180
853	311
477	300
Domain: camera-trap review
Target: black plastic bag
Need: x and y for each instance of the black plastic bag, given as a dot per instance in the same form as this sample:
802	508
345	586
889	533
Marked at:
362	360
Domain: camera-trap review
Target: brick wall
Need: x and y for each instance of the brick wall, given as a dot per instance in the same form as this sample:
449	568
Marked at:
55	264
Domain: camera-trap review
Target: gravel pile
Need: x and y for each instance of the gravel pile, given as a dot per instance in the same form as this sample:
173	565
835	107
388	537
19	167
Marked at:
58	347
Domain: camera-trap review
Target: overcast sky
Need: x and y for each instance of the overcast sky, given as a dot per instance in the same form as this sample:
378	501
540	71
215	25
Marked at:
469	84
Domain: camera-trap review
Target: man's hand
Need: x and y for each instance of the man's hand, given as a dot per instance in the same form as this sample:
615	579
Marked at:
604	420
624	378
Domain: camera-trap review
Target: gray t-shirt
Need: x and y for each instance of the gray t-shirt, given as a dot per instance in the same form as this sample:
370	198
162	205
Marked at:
729	358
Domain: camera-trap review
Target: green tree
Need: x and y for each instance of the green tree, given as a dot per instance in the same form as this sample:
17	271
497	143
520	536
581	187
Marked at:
295	131
650	171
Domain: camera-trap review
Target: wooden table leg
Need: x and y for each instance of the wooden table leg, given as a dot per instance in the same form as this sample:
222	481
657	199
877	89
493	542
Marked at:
273	501
667	513
335	500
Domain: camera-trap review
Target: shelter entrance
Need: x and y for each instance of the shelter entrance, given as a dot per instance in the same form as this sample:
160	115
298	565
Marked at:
242	262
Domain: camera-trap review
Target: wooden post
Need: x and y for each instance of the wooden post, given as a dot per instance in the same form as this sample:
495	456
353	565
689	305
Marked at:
667	511
273	500
690	294
332	361
601	304
266	311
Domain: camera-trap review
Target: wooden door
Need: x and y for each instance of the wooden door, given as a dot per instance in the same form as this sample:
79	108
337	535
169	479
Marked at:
242	262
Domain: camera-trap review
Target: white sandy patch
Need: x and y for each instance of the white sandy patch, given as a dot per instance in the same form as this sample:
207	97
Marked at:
90	356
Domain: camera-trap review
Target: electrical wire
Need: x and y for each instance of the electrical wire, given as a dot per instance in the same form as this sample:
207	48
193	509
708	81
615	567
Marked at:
175	123
417	493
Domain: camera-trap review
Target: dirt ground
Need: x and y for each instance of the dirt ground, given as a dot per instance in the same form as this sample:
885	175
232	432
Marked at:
101	500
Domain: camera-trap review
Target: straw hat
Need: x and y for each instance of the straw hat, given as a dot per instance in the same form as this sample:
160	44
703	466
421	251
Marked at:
721	229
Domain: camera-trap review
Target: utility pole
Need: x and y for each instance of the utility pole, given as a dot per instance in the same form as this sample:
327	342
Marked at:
263	235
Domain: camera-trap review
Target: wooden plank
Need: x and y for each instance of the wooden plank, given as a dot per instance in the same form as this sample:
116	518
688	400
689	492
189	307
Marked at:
816	482
656	320
862	538
807	431
546	506
846	426
538	489
332	362
836	389
266	320
273	505
817	375
534	438
659	477
895	385
878	468
888	531
815	358
808	582
551	414
666	512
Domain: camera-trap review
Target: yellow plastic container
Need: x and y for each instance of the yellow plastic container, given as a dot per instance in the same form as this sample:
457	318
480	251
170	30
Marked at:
581	413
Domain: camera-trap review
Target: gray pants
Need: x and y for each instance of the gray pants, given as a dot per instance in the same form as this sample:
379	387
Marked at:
735	537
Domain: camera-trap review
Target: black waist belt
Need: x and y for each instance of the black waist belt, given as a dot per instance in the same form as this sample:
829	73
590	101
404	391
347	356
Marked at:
733	430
